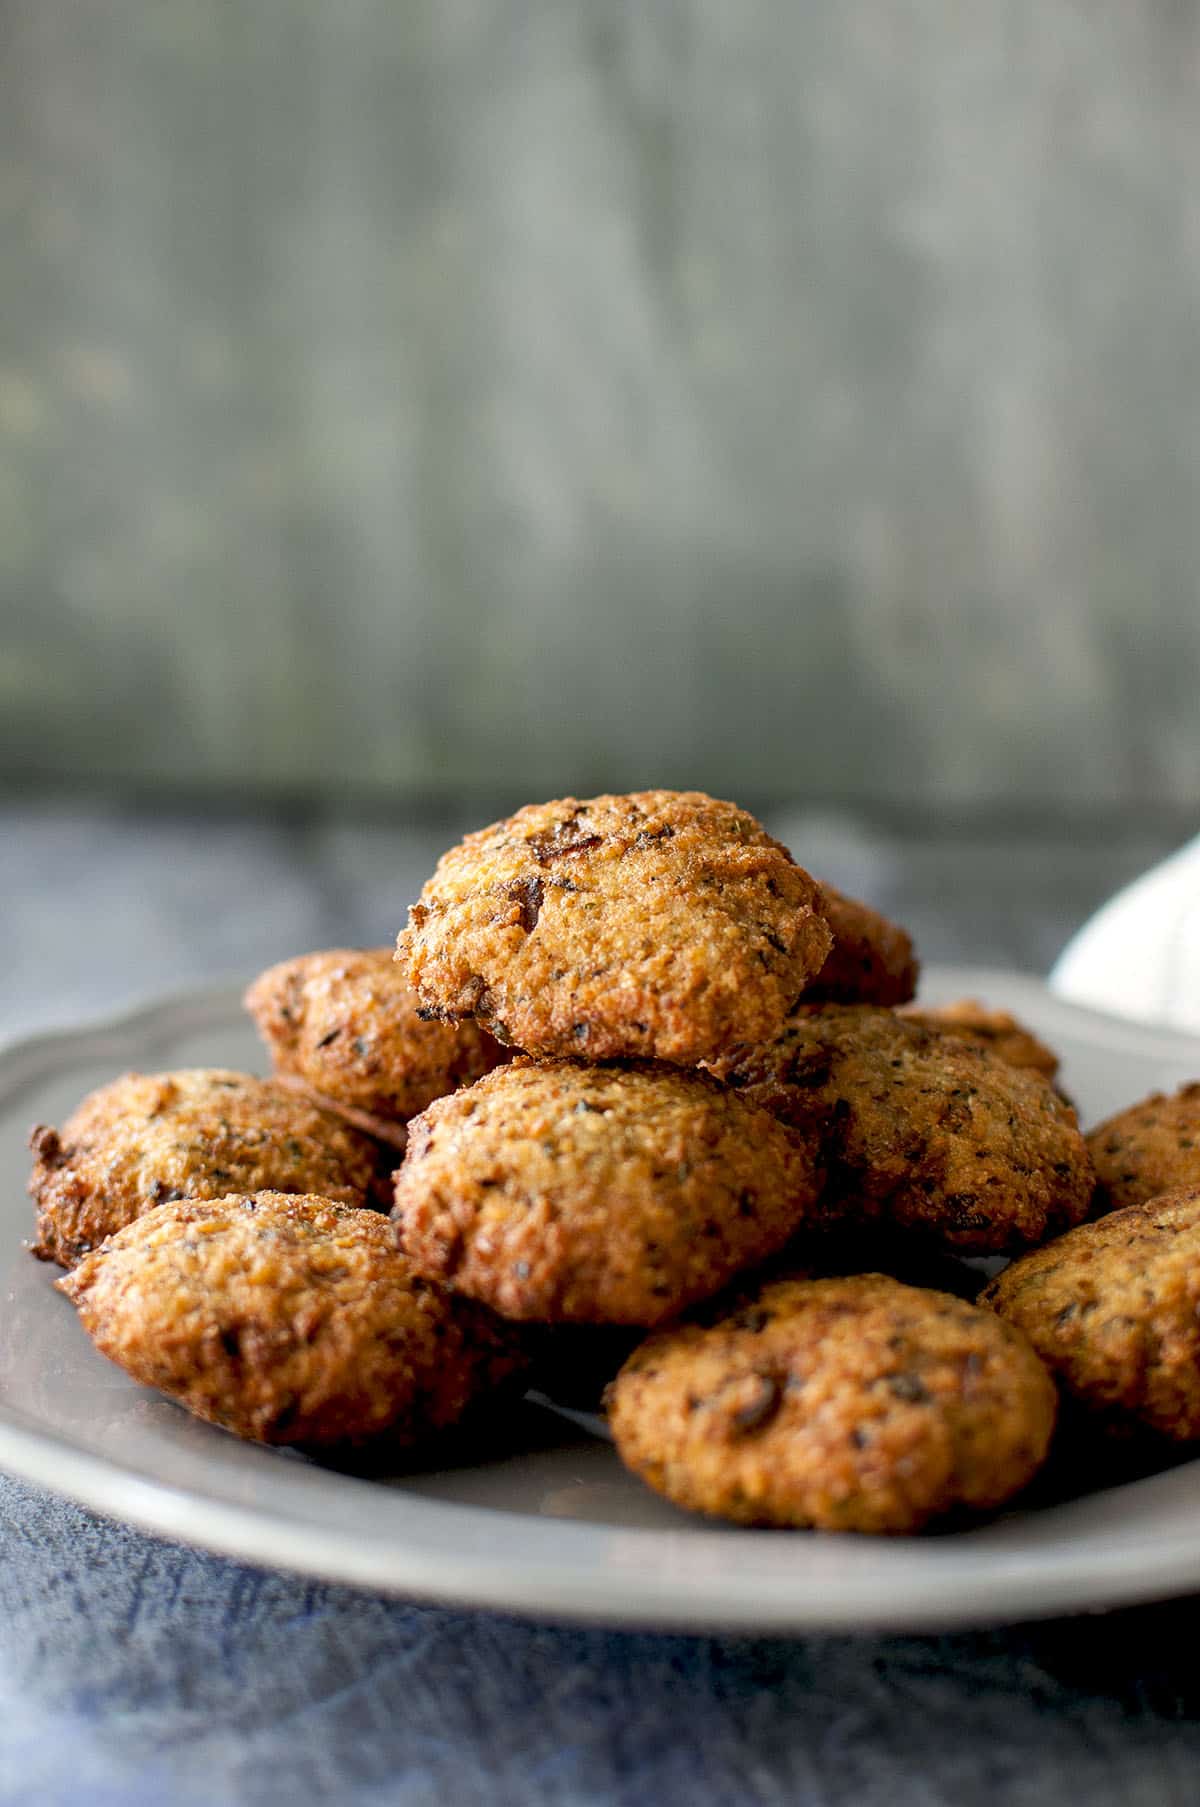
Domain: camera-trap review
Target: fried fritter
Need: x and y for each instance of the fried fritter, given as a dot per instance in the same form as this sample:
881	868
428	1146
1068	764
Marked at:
994	1029
563	1193
146	1139
1150	1148
1112	1309
853	1404
872	960
662	924
348	1028
922	1130
288	1319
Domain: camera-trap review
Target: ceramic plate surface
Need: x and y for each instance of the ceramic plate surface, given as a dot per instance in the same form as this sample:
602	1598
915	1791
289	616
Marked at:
552	1528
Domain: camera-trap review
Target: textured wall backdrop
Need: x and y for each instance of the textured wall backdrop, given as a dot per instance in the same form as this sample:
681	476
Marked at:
549	393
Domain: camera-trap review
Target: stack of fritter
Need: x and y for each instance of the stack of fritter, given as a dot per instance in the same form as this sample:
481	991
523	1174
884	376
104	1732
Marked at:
660	1091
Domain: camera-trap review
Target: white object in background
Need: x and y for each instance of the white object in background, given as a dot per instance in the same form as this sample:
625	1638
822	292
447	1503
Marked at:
1139	956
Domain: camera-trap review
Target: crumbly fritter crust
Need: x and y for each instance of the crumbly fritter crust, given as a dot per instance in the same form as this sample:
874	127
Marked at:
853	1404
1112	1310
925	1131
287	1319
872	960
346	1024
149	1138
1150	1148
563	1193
995	1029
663	925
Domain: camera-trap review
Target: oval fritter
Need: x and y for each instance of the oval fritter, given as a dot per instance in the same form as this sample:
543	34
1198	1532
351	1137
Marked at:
663	924
349	1028
565	1193
288	1319
1152	1147
1112	1308
872	960
995	1029
854	1404
926	1132
149	1138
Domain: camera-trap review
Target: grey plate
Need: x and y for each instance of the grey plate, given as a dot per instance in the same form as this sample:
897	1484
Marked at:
552	1527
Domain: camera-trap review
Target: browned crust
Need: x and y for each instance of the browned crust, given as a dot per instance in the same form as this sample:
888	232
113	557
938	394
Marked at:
1112	1309
146	1139
348	1027
998	1030
663	924
928	1133
1152	1147
289	1320
872	960
855	1404
563	1193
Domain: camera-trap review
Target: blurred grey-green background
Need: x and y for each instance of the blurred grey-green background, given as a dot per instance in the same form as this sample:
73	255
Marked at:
512	396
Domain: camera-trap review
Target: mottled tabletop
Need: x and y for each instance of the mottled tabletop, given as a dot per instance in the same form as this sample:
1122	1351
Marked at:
137	1671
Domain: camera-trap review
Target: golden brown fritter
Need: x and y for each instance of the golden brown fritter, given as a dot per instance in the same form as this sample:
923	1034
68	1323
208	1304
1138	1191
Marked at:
922	1130
149	1138
872	960
566	1193
663	924
1112	1310
984	1028
287	1319
347	1026
1150	1148
853	1404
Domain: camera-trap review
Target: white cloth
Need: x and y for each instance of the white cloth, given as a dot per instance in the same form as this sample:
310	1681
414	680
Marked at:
1139	956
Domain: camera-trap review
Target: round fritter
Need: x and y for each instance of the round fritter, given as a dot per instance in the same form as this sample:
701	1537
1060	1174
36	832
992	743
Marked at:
995	1029
1150	1148
567	1193
149	1138
925	1131
349	1028
872	960
663	924
287	1319
1112	1309
853	1404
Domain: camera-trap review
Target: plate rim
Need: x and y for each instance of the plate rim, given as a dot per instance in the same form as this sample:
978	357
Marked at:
1007	1583
1014	1592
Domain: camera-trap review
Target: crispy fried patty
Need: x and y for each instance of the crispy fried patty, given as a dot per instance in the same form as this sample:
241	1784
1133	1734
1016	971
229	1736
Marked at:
929	1134
288	1319
1112	1310
854	1404
1150	1148
567	1193
149	1138
872	960
349	1028
663	925
998	1030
